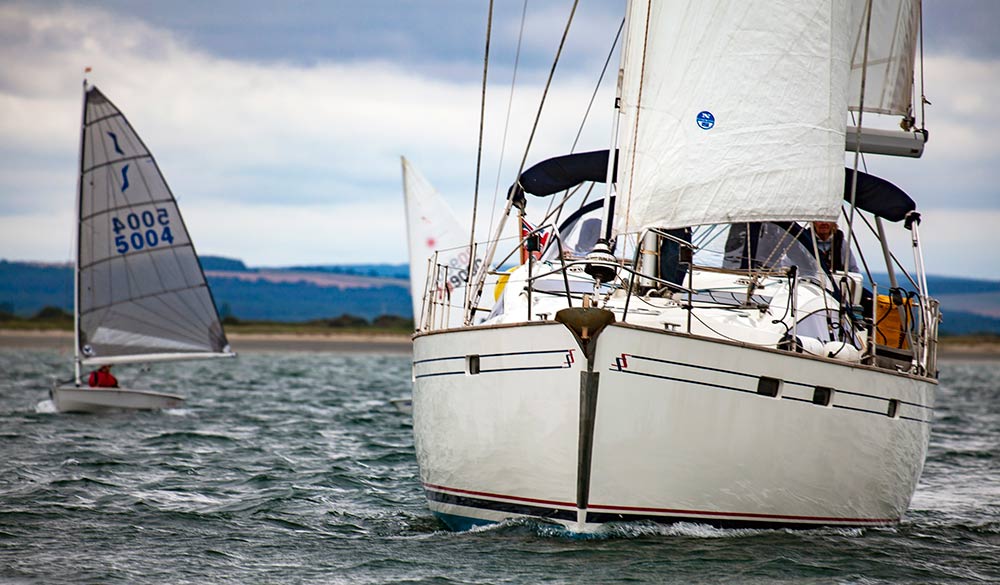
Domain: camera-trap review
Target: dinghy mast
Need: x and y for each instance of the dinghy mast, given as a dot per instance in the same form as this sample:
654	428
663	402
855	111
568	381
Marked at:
76	236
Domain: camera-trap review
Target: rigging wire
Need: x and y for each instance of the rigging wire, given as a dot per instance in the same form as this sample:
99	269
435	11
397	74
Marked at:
541	106
506	124
600	79
545	92
479	152
892	256
857	148
635	134
590	105
857	245
473	293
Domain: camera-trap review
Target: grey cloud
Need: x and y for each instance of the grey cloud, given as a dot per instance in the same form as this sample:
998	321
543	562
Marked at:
439	37
962	27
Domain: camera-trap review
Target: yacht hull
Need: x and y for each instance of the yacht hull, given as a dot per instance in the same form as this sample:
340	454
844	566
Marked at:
659	427
80	399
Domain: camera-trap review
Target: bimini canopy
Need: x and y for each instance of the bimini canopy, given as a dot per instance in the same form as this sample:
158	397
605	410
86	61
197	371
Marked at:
874	195
561	173
879	197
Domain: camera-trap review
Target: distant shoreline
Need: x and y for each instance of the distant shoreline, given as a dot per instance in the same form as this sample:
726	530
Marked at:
241	342
959	352
400	344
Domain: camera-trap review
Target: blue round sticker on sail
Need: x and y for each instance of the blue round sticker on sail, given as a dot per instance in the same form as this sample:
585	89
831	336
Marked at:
705	120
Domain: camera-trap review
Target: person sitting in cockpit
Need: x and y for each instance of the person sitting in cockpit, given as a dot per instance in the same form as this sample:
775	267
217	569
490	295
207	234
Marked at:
830	244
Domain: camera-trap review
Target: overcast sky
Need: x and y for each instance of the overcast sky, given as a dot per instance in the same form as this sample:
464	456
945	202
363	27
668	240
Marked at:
279	125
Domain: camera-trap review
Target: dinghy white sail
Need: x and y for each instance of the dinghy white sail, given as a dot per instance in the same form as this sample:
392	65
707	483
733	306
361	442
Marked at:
140	291
438	244
711	360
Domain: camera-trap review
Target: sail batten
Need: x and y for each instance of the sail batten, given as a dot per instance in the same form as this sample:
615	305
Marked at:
105	260
142	291
128	158
732	111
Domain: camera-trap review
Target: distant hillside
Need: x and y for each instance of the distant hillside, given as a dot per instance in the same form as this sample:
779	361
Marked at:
302	293
276	294
342	280
398	271
221	263
944	285
303	301
26	287
986	304
962	323
969	306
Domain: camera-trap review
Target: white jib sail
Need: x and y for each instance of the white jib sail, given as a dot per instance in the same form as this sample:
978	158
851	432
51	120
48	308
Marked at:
891	52
142	292
432	226
733	111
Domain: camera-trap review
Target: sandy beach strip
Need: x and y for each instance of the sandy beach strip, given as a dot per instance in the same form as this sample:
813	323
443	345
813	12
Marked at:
241	342
972	352
337	343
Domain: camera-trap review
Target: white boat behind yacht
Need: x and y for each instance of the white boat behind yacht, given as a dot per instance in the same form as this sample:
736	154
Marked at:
141	295
711	360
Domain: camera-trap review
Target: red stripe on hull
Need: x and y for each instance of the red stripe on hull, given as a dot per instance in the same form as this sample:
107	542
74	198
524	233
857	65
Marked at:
499	496
667	511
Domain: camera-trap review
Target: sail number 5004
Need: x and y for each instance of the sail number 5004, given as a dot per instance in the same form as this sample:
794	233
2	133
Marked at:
142	230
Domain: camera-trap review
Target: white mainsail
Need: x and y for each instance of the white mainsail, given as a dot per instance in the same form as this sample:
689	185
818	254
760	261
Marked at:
733	111
142	294
432	226
891	53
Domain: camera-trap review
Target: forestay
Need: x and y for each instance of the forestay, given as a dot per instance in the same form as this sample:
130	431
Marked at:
142	294
733	111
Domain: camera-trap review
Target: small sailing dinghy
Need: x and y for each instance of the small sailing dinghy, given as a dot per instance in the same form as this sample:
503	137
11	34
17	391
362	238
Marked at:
140	291
718	365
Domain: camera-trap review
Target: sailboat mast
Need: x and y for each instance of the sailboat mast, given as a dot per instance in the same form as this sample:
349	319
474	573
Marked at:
76	233
609	183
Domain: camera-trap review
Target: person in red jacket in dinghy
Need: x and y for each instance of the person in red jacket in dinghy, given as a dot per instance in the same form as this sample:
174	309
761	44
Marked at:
103	378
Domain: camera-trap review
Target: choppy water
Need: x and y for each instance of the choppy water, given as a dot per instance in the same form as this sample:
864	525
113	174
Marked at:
294	468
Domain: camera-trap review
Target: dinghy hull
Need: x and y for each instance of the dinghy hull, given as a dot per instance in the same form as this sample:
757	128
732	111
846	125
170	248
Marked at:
80	399
515	422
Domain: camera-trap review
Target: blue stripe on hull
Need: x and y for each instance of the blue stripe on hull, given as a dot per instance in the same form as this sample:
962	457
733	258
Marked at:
461	523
